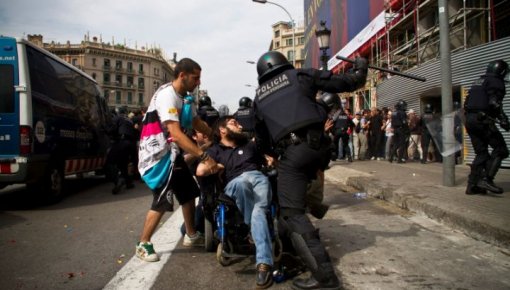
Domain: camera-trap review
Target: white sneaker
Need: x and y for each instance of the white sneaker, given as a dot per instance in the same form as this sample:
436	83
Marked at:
197	240
145	251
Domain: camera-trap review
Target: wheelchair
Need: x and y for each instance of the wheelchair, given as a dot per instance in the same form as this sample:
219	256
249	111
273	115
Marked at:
224	227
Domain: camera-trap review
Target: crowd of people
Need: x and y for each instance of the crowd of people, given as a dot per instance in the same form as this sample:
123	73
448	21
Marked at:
393	134
300	144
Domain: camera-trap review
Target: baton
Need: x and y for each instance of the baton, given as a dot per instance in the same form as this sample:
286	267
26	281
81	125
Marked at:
421	79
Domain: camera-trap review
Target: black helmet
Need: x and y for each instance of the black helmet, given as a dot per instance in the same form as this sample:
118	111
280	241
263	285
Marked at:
121	110
330	101
498	67
401	105
204	101
429	108
245	102
271	63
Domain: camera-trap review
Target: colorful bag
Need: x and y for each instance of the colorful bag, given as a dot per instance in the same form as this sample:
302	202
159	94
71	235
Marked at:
156	153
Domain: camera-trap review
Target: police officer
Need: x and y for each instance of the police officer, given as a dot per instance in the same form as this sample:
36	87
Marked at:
206	111
292	121
483	106
341	124
400	132
123	149
426	119
246	117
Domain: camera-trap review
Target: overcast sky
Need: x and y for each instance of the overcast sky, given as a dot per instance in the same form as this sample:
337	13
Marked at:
221	35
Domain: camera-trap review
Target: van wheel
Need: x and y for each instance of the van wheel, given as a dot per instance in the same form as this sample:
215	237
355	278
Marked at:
54	183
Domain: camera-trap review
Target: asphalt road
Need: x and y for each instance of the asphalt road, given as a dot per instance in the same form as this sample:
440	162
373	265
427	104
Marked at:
83	241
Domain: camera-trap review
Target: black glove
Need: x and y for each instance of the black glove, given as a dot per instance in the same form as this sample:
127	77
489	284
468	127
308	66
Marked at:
361	65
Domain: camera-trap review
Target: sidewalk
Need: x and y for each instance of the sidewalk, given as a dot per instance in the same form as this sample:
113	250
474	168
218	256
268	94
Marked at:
418	187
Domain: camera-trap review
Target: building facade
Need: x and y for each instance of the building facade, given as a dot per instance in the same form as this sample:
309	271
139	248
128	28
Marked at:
129	77
287	38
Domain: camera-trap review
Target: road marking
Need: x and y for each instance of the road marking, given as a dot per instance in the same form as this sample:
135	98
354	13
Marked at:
137	274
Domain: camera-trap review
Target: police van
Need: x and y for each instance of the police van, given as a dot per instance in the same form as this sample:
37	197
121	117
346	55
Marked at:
52	119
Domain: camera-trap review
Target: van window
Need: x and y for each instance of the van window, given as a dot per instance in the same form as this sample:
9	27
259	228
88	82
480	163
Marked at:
6	89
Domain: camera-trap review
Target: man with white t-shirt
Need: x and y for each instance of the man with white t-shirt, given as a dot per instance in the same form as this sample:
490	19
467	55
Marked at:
168	102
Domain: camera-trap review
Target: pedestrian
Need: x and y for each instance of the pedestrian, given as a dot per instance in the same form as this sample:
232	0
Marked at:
291	121
247	186
168	102
245	116
388	131
363	135
483	107
355	135
415	129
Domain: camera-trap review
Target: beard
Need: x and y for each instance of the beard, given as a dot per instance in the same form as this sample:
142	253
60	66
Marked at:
238	138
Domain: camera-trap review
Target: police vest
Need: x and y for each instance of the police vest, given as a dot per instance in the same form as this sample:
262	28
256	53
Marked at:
284	106
341	123
398	119
427	118
476	99
246	117
209	115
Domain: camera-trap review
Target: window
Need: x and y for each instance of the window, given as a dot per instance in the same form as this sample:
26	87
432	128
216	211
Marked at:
118	80
130	66
277	33
106	79
118	97
74	61
106	63
290	55
140	99
6	89
141	83
288	42
156	71
277	44
94	75
118	64
140	68
93	62
129	98
130	81
301	40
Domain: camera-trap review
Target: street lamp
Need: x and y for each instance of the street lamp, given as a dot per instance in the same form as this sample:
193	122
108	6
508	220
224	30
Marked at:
293	28
323	34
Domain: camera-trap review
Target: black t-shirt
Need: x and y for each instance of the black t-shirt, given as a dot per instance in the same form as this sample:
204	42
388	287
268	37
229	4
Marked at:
236	160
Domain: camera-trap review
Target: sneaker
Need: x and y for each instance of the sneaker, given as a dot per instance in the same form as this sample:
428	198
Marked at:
197	240
145	251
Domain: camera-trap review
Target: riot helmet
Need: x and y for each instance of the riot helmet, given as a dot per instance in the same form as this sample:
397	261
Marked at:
401	105
121	110
270	64
429	108
498	67
330	101
245	102
204	101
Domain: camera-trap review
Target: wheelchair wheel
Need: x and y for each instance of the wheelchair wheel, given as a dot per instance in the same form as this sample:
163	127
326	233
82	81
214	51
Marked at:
277	249
224	261
208	235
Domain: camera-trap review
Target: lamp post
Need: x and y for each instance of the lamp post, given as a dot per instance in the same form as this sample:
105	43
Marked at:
323	34
293	28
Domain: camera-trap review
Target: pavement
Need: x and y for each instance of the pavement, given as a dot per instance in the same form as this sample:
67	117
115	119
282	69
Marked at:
419	188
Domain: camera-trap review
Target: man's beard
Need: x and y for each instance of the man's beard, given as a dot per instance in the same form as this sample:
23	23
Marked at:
238	138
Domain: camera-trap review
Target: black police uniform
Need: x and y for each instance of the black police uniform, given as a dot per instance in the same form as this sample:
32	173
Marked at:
341	124
245	116
400	131
482	107
289	118
122	151
208	114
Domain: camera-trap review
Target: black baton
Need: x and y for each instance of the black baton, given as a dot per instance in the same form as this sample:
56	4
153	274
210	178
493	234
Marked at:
386	70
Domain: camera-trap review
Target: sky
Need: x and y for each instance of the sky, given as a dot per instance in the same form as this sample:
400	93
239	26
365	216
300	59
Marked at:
221	35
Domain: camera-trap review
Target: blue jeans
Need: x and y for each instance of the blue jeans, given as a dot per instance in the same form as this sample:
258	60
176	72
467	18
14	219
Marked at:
252	194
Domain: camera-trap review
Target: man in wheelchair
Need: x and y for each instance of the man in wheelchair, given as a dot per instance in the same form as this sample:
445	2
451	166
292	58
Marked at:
239	163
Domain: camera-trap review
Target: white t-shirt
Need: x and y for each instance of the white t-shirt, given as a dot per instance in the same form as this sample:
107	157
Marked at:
168	103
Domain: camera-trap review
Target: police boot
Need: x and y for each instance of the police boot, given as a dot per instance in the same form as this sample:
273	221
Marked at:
488	184
324	278
473	189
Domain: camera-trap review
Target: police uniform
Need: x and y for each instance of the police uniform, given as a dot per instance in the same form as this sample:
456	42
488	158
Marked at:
246	118
482	107
426	118
290	119
208	114
400	131
342	123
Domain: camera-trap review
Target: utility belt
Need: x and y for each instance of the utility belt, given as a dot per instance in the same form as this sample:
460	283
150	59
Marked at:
313	137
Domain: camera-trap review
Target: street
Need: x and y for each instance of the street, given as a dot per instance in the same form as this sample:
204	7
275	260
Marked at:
83	242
